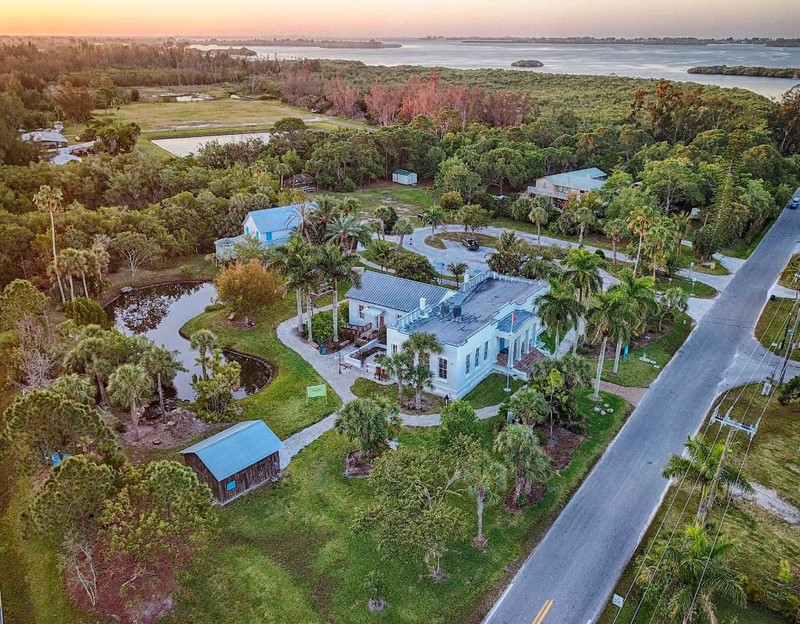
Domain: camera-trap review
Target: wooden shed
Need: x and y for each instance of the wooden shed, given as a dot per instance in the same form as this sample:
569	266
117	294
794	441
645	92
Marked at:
237	460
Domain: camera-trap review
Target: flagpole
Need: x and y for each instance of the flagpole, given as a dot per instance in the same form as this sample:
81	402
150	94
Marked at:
510	355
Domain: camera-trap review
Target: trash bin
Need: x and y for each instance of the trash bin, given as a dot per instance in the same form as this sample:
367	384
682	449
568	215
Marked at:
323	349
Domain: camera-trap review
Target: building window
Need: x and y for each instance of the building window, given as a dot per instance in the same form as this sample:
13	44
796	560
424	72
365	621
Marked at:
469	359
268	236
485	350
231	486
442	368
477	356
360	311
394	349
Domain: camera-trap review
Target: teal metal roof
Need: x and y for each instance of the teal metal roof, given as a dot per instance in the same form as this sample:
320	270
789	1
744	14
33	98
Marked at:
234	449
583	179
402	172
279	218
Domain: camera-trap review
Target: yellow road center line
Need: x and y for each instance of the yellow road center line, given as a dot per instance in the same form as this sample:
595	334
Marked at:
543	611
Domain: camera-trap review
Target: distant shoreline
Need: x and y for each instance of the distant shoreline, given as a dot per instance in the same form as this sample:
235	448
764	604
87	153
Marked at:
682	41
372	44
792	73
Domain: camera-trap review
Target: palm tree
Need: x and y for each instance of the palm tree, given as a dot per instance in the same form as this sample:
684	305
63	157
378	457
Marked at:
692	574
347	231
383	251
458	269
420	376
310	276
583	272
89	264
49	200
397	365
421	345
539	215
608	317
615	229
529	405
485	478
433	216
540	269
370	422
204	341
584	217
72	262
289	260
283	169
91	355
638	222
75	388
705	464
680	221
403	227
162	364
659	241
348	205
640	293
520	446
338	266
558	306
128	386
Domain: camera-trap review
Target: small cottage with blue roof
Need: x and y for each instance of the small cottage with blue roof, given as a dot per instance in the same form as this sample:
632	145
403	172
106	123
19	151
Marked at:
237	460
270	226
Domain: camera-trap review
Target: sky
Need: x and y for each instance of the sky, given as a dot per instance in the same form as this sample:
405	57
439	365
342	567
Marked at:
406	18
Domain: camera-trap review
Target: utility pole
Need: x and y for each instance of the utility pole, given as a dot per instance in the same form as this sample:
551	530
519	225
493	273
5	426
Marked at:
789	343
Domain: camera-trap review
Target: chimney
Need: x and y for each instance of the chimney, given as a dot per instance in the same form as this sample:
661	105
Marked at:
422	303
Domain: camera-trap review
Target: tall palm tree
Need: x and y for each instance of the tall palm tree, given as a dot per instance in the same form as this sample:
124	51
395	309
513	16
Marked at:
607	318
520	446
128	386
72	263
485	478
162	364
540	269
421	377
615	229
583	272
558	306
680	221
421	345
433	216
49	200
692	574
659	241
347	231
283	170
639	221
204	341
705	464
89	264
458	269
338	266
402	228
640	293
290	261
348	205
584	217
92	355
539	215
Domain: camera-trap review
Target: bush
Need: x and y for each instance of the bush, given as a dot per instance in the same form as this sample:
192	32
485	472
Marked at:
322	326
86	312
458	419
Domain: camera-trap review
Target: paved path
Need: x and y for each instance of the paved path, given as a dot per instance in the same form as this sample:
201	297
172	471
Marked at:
633	396
579	560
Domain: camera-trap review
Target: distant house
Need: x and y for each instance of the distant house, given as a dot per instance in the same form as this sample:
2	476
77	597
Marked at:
490	325
401	176
271	226
562	185
383	299
48	139
64	158
237	460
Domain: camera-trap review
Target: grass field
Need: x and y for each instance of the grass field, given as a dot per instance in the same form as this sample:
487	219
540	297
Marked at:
408	201
491	391
288	553
633	372
366	388
484	240
787	277
773	325
763	539
700	290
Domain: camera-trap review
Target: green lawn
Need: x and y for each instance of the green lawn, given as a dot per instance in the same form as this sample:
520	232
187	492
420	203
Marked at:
366	388
408	201
762	538
282	403
700	290
634	372
491	391
687	257
288	553
484	240
772	325
787	277
594	239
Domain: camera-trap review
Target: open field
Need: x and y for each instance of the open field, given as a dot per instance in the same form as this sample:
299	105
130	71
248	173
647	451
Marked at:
763	539
636	373
408	201
289	553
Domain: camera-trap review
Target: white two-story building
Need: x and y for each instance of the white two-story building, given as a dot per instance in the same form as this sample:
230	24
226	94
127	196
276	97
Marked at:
490	324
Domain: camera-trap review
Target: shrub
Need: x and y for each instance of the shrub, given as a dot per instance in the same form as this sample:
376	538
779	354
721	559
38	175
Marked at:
322	326
458	419
86	312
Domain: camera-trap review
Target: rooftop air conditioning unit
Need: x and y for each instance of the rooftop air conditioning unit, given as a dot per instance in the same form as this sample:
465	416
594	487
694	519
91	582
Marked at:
456	311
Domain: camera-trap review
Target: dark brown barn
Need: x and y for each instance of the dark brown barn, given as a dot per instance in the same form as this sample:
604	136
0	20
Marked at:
236	460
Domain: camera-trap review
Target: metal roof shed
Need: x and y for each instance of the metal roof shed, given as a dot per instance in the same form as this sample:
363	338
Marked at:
236	460
401	176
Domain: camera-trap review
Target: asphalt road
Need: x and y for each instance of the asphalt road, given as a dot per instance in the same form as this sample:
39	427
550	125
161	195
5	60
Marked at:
578	562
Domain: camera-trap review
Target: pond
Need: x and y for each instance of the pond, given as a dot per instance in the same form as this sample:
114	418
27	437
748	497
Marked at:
190	145
159	312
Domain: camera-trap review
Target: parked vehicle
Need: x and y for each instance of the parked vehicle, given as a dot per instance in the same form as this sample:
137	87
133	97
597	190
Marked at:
795	201
471	244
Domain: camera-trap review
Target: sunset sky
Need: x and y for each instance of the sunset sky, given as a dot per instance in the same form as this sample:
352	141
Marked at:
409	18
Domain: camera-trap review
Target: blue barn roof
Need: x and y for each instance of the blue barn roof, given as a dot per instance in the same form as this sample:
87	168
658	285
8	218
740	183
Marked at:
583	179
280	218
234	449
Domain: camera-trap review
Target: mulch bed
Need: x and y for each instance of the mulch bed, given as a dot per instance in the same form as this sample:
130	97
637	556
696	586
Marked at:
560	445
356	466
534	494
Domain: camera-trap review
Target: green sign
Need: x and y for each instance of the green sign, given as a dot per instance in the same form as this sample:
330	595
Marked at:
317	391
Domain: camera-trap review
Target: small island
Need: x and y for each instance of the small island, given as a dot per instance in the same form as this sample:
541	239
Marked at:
372	44
527	63
792	73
